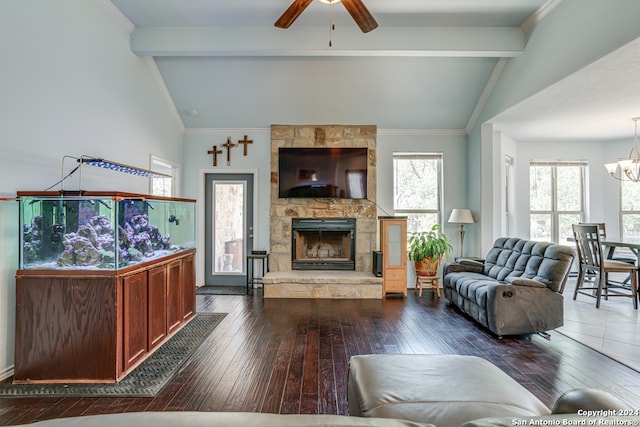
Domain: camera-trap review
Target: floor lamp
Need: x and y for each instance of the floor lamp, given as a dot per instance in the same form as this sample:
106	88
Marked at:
462	217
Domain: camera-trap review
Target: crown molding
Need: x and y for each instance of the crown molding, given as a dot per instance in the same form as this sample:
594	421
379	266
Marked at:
486	93
530	23
428	132
216	131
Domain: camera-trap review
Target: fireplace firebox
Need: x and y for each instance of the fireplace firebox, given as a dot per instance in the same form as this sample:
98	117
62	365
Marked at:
323	243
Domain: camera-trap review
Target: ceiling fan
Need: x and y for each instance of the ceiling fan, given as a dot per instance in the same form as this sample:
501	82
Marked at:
356	9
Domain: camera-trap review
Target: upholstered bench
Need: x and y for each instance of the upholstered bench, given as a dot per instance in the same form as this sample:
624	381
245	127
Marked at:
445	390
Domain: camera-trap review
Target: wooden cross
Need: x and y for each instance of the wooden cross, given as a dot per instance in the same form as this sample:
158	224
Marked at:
228	145
215	153
245	142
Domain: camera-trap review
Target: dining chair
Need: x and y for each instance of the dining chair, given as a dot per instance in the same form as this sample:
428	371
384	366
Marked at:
591	259
602	230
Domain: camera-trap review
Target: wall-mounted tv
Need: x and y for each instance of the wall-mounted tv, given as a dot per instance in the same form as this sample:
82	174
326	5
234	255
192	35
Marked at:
322	173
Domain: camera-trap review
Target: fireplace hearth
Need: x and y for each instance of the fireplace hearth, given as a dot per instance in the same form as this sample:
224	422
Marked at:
323	243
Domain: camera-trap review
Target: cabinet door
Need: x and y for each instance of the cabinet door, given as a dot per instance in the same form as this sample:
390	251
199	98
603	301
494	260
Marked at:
174	295
394	246
135	318
157	290
188	287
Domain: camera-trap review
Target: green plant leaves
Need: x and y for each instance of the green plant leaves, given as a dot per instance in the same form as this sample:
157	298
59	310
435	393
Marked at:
426	244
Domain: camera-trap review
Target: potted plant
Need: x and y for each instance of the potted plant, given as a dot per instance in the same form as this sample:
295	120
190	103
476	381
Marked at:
426	249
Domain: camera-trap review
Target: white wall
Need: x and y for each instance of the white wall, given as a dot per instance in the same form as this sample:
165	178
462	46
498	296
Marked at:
71	86
453	147
199	163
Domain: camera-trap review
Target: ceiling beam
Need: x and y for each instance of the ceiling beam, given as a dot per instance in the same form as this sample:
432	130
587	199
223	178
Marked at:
497	42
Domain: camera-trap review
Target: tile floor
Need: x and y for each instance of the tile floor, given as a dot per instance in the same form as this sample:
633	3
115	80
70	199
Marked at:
612	329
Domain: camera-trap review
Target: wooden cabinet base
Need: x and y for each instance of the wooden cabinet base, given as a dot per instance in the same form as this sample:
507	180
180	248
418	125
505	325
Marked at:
95	326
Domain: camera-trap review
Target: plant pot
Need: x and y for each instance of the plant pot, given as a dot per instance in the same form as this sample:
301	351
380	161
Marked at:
428	266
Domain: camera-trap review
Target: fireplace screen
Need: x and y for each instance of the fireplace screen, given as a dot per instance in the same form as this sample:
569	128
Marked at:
323	244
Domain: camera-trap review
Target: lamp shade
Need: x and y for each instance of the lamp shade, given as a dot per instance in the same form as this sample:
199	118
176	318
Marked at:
461	216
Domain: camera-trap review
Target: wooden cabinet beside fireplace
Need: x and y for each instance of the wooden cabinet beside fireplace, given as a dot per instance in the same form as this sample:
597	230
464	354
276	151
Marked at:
393	244
96	326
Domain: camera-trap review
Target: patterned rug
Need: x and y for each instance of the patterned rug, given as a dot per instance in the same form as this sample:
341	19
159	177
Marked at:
146	380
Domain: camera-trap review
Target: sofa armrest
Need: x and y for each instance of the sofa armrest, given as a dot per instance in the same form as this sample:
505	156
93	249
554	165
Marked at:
521	281
586	400
467	265
469	261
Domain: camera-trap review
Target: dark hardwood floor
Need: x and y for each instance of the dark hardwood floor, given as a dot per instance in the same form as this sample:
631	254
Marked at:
291	356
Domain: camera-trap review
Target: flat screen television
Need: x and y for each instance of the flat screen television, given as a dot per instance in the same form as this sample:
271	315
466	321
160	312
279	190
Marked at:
339	173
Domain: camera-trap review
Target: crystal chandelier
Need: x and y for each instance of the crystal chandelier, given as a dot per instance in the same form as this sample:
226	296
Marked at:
629	168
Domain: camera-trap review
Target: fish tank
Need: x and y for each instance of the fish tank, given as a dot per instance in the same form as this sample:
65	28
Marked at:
101	231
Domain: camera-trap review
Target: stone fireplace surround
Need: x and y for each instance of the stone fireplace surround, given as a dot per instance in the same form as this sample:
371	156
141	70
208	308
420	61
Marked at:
282	281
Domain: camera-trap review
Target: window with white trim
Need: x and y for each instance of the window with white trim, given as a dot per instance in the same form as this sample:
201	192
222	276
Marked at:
556	199
630	208
160	185
417	189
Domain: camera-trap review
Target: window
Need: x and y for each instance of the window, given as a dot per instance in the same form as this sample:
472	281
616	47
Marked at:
556	191
417	189
630	208
163	186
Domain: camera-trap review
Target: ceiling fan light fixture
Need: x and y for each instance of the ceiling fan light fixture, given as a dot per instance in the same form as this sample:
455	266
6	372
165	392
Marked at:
356	8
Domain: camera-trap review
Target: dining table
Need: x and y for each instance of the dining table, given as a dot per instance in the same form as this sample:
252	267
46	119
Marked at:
632	243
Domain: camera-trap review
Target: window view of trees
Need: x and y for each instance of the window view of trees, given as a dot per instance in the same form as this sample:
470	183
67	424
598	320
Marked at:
556	192
162	186
630	208
417	189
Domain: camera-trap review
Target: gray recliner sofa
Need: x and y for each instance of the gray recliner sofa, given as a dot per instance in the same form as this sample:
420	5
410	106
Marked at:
516	290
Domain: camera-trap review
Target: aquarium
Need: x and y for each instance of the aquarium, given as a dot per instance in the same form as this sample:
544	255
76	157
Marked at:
103	231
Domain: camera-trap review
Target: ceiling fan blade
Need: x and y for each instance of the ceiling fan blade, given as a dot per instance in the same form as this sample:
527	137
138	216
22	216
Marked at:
361	15
292	13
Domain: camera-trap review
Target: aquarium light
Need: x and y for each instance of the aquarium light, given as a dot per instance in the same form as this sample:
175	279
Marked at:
119	167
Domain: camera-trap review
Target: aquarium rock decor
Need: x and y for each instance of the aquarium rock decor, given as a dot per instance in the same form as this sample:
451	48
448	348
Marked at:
32	236
138	238
94	244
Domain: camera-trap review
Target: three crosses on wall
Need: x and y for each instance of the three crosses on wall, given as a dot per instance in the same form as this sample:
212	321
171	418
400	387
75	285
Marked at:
229	145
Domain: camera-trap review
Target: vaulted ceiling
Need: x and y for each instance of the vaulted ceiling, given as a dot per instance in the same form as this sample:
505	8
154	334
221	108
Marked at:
425	67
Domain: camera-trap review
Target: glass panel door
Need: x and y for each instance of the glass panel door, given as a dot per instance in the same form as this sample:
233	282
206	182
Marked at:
228	228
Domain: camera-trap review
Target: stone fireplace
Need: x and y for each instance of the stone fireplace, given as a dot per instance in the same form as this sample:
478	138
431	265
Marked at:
323	243
334	273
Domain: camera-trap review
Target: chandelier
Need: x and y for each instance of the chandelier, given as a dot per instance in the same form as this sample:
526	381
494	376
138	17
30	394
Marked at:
629	168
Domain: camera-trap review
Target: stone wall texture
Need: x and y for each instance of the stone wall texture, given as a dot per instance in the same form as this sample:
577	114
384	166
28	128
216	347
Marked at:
282	210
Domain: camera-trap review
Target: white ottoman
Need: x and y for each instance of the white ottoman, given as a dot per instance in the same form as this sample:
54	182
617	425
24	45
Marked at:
445	390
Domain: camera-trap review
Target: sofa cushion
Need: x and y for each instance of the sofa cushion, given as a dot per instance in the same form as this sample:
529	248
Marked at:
219	419
445	390
541	261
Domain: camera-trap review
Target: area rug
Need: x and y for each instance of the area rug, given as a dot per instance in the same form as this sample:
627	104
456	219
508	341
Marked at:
146	380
